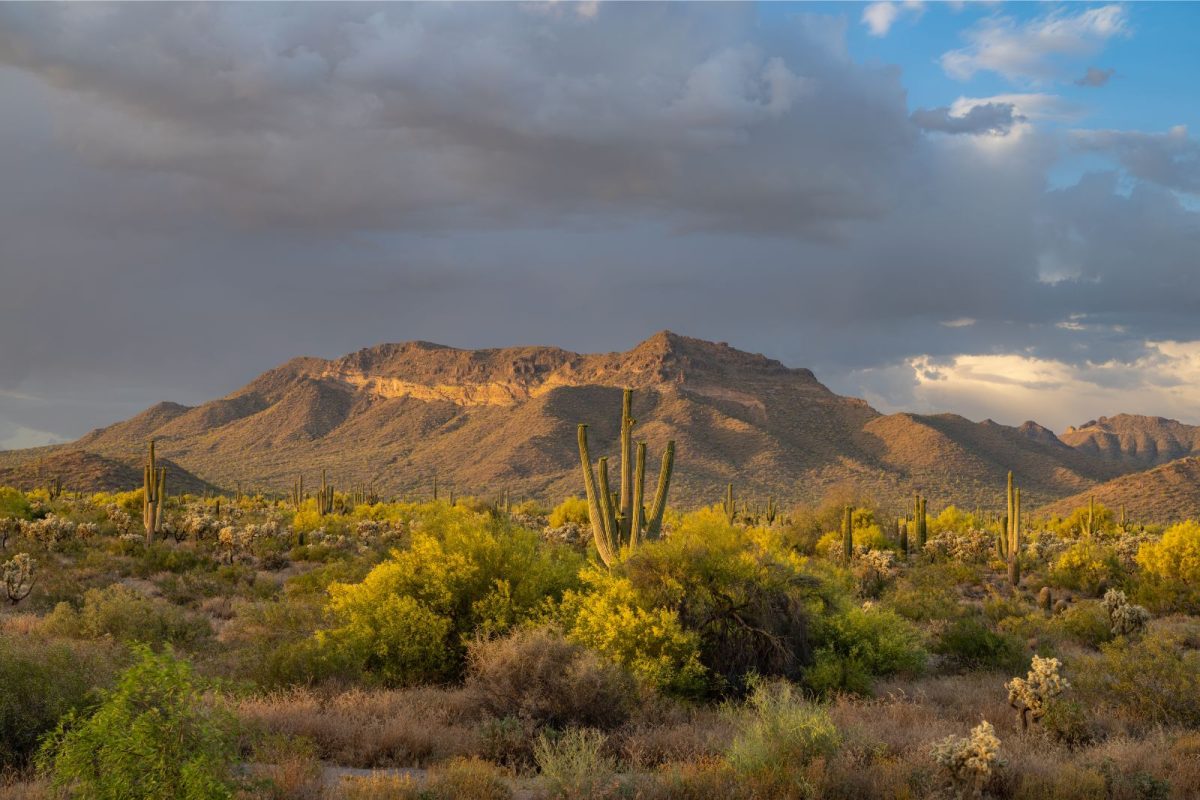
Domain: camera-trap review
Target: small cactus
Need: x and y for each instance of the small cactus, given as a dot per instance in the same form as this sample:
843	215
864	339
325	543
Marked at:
19	577
1126	618
969	762
1031	695
729	505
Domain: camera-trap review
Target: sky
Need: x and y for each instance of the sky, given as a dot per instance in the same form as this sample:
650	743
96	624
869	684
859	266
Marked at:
991	209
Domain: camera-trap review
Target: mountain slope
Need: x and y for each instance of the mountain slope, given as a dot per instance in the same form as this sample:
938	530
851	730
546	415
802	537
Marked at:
395	415
1170	492
1137	441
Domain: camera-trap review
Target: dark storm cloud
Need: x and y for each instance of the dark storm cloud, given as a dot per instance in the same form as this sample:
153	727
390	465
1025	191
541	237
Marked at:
1095	77
195	193
993	118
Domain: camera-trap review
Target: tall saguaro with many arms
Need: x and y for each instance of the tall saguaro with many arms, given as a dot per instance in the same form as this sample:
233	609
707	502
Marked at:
622	520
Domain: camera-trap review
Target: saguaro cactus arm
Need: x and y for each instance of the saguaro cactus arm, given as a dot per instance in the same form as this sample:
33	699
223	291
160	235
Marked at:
659	507
595	513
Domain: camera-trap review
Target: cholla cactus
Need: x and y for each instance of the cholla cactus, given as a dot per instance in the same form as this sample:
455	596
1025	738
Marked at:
1128	545
19	578
1126	619
234	540
87	530
873	569
1031	694
969	761
50	532
8	526
973	546
121	520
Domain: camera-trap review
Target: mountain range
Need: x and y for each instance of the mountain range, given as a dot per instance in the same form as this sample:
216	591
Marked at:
396	416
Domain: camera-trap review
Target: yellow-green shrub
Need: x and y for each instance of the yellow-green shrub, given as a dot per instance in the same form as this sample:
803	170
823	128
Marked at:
1087	566
649	642
1172	567
573	510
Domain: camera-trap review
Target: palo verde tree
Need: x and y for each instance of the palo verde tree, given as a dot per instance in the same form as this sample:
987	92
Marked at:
620	522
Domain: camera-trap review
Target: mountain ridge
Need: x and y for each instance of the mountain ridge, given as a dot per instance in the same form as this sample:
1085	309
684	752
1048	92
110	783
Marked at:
396	414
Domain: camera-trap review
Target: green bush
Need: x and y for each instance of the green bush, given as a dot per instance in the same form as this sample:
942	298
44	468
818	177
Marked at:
127	615
746	599
13	503
1087	566
39	683
857	645
1156	679
969	644
1087	623
155	736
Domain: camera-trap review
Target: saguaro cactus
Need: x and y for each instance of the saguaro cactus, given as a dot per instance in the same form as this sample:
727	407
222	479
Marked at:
154	482
622	521
1010	539
729	505
919	521
325	497
298	492
848	535
1087	528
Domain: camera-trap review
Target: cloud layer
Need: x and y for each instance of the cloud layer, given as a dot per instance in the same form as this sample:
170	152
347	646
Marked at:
197	192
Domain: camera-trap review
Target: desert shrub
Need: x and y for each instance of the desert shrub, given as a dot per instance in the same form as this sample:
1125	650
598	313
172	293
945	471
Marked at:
1087	623
780	734
1072	526
1087	566
573	510
466	778
926	593
650	643
859	644
288	768
394	637
1155	679
127	615
13	503
575	766
746	600
1066	721
969	644
39	683
1172	567
155	736
409	619
867	536
953	518
538	676
969	762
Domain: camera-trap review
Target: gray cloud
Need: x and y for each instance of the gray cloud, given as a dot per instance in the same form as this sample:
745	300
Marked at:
993	118
195	193
1170	159
1095	77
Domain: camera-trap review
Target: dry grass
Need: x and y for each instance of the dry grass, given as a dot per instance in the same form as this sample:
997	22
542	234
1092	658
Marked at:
362	728
14	786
